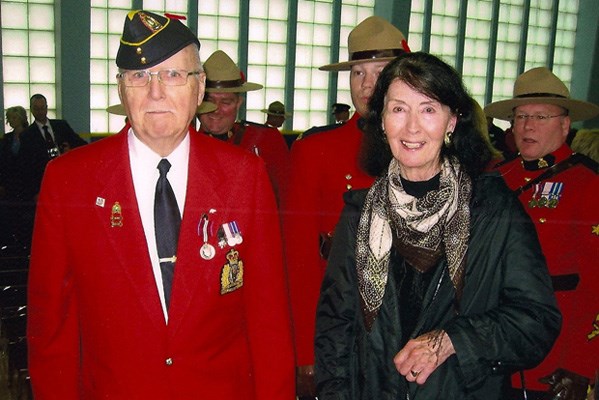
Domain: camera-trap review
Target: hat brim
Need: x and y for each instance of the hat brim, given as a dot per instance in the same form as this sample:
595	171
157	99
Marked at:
577	110
286	114
346	65
246	87
204	108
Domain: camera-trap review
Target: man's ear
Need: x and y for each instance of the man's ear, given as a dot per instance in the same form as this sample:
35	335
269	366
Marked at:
202	87
240	100
119	88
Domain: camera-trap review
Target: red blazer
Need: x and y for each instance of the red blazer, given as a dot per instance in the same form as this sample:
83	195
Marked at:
569	236
323	167
268	143
96	329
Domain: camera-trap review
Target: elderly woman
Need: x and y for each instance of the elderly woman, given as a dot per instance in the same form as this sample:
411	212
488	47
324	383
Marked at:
436	287
16	117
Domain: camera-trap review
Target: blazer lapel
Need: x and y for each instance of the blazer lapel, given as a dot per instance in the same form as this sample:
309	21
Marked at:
122	224
204	183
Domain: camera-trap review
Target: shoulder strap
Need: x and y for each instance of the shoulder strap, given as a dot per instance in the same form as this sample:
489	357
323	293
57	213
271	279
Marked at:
561	166
238	132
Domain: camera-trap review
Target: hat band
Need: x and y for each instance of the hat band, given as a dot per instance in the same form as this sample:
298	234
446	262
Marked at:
223	84
370	54
540	95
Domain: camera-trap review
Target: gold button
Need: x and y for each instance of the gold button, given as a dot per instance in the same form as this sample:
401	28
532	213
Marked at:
348	177
138	50
169	361
143	60
348	187
526	179
542	220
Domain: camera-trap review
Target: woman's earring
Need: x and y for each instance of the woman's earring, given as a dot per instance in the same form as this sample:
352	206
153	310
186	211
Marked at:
447	138
384	136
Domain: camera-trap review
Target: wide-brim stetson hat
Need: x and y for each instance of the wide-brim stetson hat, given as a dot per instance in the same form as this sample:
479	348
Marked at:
224	76
541	86
205	107
148	39
373	39
276	108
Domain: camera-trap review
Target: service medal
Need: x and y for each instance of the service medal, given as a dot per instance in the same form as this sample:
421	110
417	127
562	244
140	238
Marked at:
207	251
532	203
555	193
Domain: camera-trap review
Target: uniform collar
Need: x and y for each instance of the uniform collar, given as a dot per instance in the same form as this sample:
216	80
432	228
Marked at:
547	160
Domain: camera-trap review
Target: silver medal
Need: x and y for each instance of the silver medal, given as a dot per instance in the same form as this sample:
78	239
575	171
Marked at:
207	251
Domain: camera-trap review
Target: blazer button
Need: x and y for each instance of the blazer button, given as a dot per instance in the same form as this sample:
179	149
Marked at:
169	361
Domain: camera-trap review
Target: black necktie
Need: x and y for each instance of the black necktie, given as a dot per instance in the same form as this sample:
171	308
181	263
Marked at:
167	220
49	141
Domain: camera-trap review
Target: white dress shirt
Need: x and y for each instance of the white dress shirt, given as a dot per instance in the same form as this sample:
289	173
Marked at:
144	170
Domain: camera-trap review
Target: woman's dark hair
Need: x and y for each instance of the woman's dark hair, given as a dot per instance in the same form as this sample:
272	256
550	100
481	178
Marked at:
433	78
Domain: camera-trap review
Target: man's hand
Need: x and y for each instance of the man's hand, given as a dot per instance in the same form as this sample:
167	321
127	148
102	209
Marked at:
421	356
305	385
65	147
566	385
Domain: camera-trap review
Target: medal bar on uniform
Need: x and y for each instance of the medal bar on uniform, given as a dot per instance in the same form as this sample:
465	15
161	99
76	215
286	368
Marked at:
207	251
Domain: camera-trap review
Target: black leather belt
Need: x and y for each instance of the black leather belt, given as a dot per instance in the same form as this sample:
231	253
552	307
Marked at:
562	283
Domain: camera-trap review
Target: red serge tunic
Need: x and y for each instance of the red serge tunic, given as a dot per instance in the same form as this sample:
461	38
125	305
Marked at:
569	236
267	143
323	167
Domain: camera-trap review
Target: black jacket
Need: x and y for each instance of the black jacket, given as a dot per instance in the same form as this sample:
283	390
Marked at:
34	156
508	317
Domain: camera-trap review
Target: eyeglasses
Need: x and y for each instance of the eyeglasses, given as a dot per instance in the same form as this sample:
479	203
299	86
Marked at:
168	77
537	117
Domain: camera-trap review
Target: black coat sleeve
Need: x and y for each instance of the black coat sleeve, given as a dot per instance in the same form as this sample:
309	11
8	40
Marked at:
337	313
509	279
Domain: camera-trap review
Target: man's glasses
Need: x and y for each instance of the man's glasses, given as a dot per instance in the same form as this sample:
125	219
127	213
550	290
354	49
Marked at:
168	77
536	117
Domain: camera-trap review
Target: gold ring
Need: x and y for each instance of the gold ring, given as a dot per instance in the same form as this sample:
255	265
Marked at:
414	373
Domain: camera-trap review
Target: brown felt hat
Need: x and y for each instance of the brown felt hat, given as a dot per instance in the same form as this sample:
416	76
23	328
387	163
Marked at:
223	75
541	86
373	39
149	39
276	108
205	107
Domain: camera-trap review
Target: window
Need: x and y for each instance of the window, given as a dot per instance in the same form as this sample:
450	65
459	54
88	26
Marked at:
443	39
106	27
28	53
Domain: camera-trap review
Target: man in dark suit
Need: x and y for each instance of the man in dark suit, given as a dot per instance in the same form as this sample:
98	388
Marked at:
42	141
156	266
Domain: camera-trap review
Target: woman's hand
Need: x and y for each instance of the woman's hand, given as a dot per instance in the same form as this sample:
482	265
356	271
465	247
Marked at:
422	355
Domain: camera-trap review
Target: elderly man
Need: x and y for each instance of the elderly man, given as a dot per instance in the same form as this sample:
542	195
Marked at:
559	190
323	167
224	87
127	300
